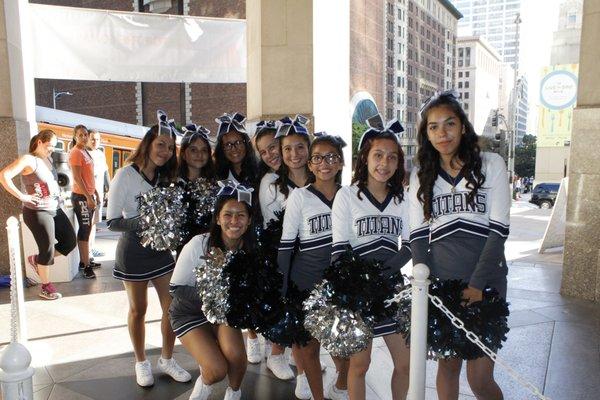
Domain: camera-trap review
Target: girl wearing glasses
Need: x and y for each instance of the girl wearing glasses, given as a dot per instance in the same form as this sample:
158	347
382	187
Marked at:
217	348
275	188
234	157
308	218
460	211
371	217
153	162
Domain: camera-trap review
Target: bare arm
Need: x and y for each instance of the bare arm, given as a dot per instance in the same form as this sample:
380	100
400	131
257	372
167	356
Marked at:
23	165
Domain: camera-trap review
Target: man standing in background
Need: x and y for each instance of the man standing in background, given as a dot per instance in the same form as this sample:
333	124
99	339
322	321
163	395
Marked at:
102	182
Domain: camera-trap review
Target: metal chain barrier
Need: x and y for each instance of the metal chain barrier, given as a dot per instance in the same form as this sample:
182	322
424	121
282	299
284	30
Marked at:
475	340
400	296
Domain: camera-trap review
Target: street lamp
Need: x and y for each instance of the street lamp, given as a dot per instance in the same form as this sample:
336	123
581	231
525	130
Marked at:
56	95
515	108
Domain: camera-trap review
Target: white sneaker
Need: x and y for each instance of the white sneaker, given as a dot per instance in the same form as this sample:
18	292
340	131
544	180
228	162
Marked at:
302	388
267	349
253	351
279	367
171	368
231	394
201	390
336	394
143	373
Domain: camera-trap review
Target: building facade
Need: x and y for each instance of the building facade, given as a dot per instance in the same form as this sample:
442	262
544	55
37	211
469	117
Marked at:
136	102
420	59
478	73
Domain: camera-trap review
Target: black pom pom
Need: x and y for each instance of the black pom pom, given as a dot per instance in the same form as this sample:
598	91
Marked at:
289	328
487	319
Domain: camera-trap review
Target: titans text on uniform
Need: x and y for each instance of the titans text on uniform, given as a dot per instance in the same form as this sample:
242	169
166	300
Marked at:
451	203
319	223
378	225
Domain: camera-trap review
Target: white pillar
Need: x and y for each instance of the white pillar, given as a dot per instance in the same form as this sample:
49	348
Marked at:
418	332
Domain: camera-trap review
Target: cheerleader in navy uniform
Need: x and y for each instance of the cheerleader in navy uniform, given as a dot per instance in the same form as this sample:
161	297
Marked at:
267	148
275	188
218	348
234	157
371	217
460	206
195	161
153	162
308	218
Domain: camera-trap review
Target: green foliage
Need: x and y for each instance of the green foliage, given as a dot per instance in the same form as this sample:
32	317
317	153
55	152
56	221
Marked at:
357	130
525	156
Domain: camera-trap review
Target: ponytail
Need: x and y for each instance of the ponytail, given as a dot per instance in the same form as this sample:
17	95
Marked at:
43	136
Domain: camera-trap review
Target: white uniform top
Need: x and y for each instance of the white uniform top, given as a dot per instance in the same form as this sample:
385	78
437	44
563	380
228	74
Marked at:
270	197
100	169
308	218
125	188
189	259
450	211
367	225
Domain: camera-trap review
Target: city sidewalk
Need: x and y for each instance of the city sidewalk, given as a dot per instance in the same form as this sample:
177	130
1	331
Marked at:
81	349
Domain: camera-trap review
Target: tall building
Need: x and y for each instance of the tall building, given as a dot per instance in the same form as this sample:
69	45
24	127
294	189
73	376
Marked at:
494	20
522	110
558	96
478	74
420	59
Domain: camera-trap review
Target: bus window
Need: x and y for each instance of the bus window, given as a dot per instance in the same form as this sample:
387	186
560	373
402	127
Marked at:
59	145
126	155
116	160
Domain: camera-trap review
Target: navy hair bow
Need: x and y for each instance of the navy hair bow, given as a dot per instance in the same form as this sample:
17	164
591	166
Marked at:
231	121
192	130
376	127
452	94
229	187
166	126
288	126
266	125
336	138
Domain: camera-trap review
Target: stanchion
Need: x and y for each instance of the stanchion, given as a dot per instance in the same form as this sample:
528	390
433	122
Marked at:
418	332
15	370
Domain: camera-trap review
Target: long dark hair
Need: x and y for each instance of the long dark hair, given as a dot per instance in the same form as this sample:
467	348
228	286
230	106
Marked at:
337	145
43	136
141	155
428	158
215	238
208	171
77	127
283	172
361	169
263	168
249	164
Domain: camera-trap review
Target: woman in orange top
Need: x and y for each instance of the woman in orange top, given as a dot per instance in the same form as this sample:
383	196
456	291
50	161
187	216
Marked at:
84	197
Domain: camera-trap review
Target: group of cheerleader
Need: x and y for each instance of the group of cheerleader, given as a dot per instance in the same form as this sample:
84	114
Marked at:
453	217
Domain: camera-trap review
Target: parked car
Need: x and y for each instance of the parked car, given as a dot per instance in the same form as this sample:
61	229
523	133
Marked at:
544	194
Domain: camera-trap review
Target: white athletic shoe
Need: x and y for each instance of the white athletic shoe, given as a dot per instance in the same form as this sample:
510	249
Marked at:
201	390
302	388
279	367
253	351
171	368
336	394
231	394
143	373
267	348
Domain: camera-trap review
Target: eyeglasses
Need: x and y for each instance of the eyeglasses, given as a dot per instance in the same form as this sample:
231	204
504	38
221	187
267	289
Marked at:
234	145
330	158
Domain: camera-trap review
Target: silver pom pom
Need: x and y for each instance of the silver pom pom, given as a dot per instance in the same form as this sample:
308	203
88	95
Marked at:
202	193
213	288
162	217
340	331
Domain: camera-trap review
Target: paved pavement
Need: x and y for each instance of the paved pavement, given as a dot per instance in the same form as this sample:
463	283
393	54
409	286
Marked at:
81	347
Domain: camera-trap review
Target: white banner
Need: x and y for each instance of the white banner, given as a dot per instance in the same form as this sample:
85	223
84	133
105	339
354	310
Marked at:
85	44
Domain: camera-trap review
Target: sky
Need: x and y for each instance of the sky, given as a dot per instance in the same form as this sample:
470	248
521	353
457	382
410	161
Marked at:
540	20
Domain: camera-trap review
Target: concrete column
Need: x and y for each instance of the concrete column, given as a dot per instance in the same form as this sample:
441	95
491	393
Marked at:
299	63
17	103
581	274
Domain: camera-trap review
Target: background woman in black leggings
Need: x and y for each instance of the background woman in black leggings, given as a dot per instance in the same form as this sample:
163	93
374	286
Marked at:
51	229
